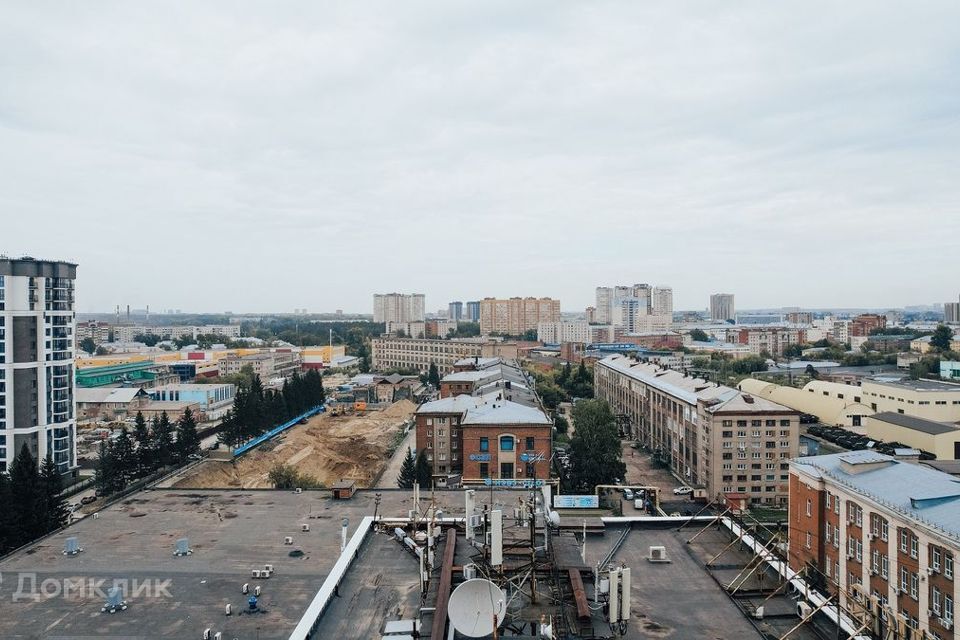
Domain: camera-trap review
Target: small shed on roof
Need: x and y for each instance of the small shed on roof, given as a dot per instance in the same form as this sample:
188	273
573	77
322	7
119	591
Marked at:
343	489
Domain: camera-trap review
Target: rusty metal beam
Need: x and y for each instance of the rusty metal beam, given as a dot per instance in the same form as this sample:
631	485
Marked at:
443	585
579	594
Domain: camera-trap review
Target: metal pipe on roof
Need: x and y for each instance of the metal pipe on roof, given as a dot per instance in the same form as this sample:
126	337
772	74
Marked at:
443	586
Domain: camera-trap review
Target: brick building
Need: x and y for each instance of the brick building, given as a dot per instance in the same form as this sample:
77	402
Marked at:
715	437
883	534
863	324
484	437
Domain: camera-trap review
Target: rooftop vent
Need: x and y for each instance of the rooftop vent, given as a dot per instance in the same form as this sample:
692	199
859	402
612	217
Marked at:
748	398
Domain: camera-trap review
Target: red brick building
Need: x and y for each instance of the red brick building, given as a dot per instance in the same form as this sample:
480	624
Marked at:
484	437
863	324
881	532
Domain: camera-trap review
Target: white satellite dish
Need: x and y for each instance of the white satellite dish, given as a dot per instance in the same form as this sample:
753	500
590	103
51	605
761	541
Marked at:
473	605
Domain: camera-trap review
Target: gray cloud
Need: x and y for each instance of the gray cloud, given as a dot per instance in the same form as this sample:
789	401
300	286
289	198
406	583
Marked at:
251	157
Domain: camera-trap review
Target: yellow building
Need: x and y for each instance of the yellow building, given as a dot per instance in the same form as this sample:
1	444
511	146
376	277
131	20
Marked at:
833	403
939	438
930	399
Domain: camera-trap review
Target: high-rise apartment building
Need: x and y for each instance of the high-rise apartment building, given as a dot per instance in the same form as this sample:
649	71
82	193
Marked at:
635	309
37	322
604	308
516	316
473	311
455	310
398	307
951	312
722	308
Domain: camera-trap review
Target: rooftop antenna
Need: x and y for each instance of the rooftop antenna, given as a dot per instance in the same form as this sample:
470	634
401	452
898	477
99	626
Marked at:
476	608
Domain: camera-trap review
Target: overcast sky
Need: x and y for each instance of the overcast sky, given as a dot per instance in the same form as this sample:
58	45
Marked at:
281	155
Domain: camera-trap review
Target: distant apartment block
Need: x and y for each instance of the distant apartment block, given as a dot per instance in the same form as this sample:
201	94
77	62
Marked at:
863	324
455	310
516	316
268	366
772	340
398	307
638	308
416	354
884	535
799	317
951	312
723	440
99	332
407	329
722	308
127	333
473	311
559	332
37	403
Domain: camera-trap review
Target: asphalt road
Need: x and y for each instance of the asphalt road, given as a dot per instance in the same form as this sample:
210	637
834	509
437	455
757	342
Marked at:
388	479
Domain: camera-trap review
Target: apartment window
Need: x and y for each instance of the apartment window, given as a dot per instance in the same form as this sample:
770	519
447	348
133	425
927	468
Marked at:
784	423
935	601
728	423
829	497
948	565
484	444
808	539
904	580
741	423
915	586
771	423
506	443
809	508
935	558
914	547
531	443
903	541
948	608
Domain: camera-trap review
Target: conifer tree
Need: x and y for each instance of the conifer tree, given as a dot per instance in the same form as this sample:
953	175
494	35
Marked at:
408	471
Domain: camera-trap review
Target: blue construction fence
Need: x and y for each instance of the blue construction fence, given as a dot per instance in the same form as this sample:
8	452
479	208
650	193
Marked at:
242	449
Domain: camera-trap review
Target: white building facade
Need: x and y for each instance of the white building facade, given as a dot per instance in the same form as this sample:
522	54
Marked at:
37	334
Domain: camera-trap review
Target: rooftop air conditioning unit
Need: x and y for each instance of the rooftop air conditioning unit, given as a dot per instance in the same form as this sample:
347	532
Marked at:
288	540
218	635
256	590
268	568
227	609
298	490
803	609
255	573
469	571
476	521
657	554
206	634
245	588
304	528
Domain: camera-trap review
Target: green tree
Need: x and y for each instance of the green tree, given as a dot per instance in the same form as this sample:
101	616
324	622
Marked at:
188	442
106	475
163	439
561	425
941	338
530	334
424	473
144	441
148	339
433	376
124	458
6	516
408	471
26	503
595	454
793	351
55	513
699	335
88	345
563	377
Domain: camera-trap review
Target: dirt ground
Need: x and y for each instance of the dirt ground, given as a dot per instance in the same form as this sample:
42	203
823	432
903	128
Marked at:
328	448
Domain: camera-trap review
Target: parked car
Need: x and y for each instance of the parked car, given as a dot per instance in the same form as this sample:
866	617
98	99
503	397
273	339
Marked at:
682	491
628	494
88	499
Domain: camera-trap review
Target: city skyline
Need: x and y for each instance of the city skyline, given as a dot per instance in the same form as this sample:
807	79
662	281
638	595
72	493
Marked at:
188	162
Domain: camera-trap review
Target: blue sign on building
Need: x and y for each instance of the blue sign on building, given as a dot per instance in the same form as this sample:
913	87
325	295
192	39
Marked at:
480	457
506	482
576	502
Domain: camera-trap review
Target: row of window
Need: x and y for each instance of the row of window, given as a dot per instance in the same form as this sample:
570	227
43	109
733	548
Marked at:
756	423
769	433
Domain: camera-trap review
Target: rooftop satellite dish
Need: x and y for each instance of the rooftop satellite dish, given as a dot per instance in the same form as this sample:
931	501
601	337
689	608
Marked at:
473	605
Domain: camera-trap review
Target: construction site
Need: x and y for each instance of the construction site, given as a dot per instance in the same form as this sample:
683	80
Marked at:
341	444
